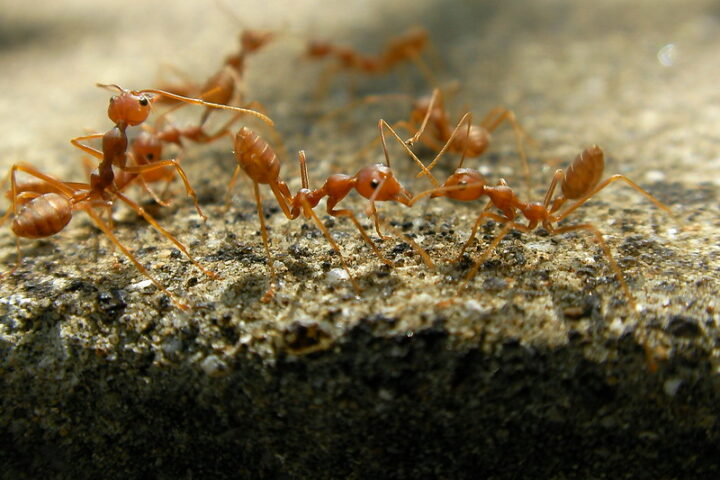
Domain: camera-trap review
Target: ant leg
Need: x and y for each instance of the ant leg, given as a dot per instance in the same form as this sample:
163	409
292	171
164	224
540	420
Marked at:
107	231
614	266
418	249
187	87
148	189
467	118
423	124
362	153
139	169
503	114
425	70
231	184
353	104
604	184
557	176
89	150
326	76
509	225
310	212
475	227
270	293
363	233
382	125
148	218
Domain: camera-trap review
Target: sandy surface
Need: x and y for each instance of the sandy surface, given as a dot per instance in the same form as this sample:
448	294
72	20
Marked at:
638	80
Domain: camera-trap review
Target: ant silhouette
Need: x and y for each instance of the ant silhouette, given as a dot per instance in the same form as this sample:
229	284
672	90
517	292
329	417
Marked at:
405	47
376	183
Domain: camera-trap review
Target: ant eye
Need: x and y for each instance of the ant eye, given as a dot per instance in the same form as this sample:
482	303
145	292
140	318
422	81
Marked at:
143	101
150	156
374	183
462	182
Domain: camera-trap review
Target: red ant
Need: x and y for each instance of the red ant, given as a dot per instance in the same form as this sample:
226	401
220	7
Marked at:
430	117
404	47
131	108
376	183
226	83
44	207
580	181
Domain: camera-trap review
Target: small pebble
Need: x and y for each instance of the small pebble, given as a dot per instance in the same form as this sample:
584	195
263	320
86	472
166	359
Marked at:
336	276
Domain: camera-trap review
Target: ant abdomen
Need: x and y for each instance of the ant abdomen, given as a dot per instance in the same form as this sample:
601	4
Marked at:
42	216
472	143
256	157
584	173
472	181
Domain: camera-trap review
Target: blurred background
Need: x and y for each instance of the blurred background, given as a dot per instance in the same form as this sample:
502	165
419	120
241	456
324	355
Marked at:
639	79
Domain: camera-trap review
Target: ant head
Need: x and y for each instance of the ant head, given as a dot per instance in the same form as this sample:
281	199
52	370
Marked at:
254	40
147	148
369	179
129	107
469	185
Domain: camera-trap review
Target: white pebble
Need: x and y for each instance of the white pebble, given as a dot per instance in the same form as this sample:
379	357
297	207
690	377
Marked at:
140	285
212	365
336	276
654	176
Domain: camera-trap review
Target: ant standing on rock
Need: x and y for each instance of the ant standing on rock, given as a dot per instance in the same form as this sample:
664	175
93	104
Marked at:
376	183
44	207
580	182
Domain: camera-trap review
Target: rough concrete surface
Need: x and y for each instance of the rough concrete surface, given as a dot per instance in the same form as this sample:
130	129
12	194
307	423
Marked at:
539	370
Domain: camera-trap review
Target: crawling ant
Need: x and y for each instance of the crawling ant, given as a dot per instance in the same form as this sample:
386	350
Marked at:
429	123
44	207
131	108
579	182
376	183
471	142
405	47
225	84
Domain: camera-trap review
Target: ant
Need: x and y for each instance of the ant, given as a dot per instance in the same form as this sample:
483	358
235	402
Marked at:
226	83
405	47
44	207
473	141
376	183
580	181
430	116
131	108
